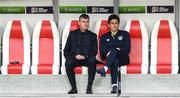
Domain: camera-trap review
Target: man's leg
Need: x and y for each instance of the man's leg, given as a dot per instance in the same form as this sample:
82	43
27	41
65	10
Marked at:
91	64
109	61
70	65
111	57
114	75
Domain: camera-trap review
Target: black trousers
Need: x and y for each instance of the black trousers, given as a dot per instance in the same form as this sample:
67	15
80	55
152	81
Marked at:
113	62
72	62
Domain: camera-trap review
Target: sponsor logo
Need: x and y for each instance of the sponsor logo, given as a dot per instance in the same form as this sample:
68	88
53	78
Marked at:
12	10
107	40
39	9
72	9
100	9
120	37
131	9
160	9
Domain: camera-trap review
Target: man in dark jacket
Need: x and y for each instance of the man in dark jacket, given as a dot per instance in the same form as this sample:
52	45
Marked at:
115	48
81	49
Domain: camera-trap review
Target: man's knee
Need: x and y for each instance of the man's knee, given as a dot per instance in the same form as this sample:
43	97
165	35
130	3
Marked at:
116	61
91	60
69	64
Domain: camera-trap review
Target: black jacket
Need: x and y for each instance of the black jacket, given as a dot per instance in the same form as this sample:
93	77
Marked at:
121	40
72	44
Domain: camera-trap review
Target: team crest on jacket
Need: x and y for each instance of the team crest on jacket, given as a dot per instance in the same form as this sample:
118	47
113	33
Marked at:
107	39
120	37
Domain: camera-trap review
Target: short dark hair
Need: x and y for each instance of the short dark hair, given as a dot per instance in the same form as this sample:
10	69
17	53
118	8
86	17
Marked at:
113	16
84	16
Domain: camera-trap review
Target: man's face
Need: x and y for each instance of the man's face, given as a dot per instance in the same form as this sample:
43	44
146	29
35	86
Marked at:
113	25
83	24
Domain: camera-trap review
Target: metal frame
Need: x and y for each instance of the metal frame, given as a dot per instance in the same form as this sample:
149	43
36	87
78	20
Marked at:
116	7
56	11
177	14
116	11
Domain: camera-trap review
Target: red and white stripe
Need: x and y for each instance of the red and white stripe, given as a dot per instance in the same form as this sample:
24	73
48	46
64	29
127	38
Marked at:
139	48
45	48
70	26
16	47
164	48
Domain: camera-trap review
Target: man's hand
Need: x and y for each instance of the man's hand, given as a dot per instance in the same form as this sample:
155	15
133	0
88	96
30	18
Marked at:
82	57
79	57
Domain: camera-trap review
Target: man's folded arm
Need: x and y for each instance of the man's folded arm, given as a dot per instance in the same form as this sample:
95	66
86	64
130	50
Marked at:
103	51
94	46
67	48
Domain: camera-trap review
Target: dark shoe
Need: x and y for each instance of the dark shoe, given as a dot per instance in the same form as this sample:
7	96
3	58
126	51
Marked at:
73	91
102	72
114	90
89	91
119	92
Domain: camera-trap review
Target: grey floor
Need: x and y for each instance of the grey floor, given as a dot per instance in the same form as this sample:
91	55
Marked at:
48	86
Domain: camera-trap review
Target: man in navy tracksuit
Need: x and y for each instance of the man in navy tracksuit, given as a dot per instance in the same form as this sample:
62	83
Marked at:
115	48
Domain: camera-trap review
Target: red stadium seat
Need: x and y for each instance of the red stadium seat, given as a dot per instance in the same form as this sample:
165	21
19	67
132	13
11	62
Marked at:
45	48
139	48
70	26
16	48
101	28
164	48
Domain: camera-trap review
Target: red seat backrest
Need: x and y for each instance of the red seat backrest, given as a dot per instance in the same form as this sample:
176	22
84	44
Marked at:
16	44
136	48
46	54
164	49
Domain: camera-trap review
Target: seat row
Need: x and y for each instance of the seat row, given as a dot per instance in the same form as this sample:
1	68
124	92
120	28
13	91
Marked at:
46	48
163	57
